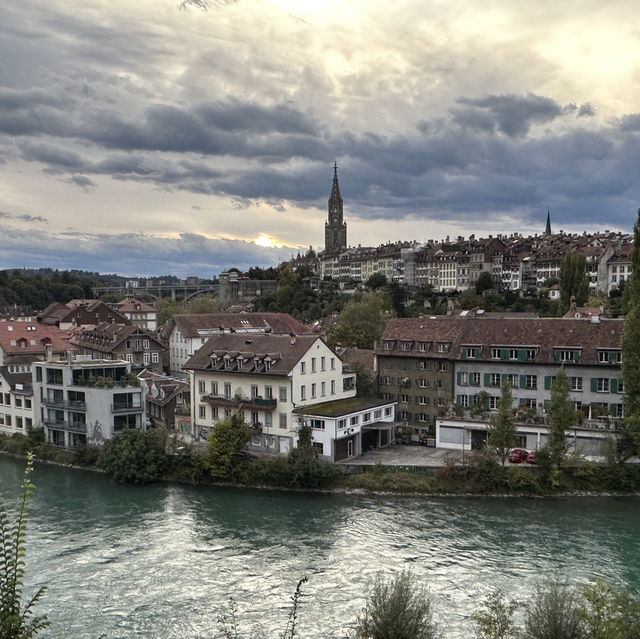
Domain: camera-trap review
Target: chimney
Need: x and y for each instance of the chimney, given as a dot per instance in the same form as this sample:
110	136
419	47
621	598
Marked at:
48	353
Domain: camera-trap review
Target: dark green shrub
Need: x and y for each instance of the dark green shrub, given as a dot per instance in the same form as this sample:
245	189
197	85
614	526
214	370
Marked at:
553	613
522	481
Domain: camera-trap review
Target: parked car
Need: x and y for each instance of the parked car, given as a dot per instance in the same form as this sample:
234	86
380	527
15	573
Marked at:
531	457
518	455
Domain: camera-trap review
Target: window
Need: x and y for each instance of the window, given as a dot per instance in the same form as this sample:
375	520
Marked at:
313	364
268	392
282	393
469	353
474	379
495	353
513	353
202	412
18	401
353	421
303	393
366	417
54	376
405	415
567	356
620	387
227	390
214	412
323	389
318	447
146	358
576	383
323	366
303	368
254	391
463	400
494	380
443	366
443	347
387	345
377	414
201	387
313	391
493	403
387	411
531	382
404	398
422	383
342	423
423	400
602	385
405	346
463	379
155	358
423	365
333	387
267	420
38	374
214	388
333	363
422	417
530	404
531	354
145	344
318	424
27	400
18	422
513	380
283	420
422	347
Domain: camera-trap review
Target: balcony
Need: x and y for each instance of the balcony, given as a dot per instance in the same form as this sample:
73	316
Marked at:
124	408
75	405
255	403
64	425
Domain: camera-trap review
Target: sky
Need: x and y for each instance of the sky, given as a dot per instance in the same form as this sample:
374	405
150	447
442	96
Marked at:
170	137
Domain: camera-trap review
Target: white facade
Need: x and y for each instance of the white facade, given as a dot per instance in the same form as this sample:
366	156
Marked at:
84	401
16	399
267	400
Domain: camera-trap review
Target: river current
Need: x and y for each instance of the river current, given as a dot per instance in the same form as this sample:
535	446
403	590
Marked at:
162	561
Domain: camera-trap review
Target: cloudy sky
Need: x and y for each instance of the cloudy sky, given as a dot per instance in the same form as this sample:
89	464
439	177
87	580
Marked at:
153	137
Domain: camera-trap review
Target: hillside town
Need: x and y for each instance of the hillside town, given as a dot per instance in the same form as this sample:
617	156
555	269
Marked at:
84	370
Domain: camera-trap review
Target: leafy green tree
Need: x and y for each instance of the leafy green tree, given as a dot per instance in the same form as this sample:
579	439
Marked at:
135	455
468	300
398	608
362	320
376	281
305	469
495	620
562	416
202	305
631	348
228	439
484	282
502	431
364	381
17	621
573	281
167	308
554	613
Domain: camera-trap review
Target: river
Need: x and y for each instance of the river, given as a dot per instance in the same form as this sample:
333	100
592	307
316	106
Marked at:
161	561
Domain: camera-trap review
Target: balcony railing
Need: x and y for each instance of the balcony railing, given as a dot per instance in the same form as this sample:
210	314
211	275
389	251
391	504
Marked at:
60	424
121	408
71	405
256	403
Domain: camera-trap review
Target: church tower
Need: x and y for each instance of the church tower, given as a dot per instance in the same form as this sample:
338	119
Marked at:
335	229
547	230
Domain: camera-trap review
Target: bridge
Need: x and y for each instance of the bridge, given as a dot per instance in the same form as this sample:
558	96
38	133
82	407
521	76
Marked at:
184	291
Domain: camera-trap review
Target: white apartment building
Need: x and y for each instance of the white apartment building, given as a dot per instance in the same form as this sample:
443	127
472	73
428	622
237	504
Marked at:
16	398
265	377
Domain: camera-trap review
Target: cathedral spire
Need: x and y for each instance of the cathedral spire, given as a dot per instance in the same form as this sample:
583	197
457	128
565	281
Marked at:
547	230
335	229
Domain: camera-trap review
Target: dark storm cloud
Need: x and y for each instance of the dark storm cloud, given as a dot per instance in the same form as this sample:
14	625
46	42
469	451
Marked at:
134	253
510	114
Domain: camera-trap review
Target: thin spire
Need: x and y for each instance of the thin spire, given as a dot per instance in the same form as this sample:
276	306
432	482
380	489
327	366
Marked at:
335	189
547	230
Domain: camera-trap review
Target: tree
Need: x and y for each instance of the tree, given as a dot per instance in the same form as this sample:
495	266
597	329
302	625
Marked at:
228	439
17	621
554	614
362	320
484	282
573	281
495	620
397	609
135	455
502	431
376	281
562	416
305	469
631	348
364	380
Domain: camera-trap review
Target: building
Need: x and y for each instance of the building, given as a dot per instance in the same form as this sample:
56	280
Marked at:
79	400
16	398
138	313
137	346
166	401
265	377
349	427
79	313
185	333
335	228
23	342
461	361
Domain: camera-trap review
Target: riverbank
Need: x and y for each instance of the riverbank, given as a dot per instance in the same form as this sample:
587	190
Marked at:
479	474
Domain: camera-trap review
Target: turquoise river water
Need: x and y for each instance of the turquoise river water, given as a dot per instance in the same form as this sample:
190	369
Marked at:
162	561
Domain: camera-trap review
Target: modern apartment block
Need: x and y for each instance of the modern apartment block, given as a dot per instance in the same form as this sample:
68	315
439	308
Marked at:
79	400
16	398
458	361
265	377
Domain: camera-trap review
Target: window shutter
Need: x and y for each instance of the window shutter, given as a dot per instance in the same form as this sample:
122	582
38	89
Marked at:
594	384
522	355
458	378
523	381
547	382
487	379
613	385
504	354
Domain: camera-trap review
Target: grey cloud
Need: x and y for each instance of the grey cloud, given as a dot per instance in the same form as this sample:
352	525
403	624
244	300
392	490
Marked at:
25	217
135	253
630	122
511	114
81	181
586	110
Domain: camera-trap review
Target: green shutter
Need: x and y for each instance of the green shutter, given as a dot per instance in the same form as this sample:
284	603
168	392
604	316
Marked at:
547	382
613	385
523	381
504	379
458	378
556	356
594	384
487	379
522	355
521	401
504	353
459	400
547	403
613	409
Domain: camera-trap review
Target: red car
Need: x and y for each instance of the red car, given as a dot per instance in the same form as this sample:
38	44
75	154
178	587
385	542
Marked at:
518	455
531	458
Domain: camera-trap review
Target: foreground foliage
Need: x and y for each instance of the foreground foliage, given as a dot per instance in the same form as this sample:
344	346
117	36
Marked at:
17	621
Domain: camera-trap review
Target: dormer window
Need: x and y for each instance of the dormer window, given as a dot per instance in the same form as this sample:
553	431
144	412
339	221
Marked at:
388	344
405	346
443	347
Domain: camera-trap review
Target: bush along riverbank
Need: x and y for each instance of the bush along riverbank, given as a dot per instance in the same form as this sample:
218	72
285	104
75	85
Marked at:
135	456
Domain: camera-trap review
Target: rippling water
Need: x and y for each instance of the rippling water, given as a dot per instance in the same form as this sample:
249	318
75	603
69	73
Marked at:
161	561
